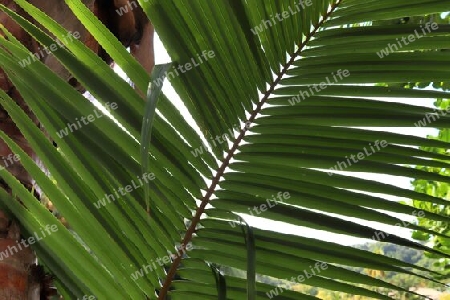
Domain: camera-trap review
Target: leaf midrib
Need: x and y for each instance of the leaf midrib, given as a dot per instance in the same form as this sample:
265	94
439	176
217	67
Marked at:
210	191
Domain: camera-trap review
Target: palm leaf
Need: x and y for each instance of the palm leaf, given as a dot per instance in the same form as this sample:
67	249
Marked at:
236	77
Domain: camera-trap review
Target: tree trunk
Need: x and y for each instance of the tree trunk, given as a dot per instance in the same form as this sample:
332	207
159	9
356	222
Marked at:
19	276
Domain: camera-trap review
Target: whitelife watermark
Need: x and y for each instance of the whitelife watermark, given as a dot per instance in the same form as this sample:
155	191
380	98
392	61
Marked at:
319	266
435	116
341	74
391	48
381	235
167	259
360	156
187	66
271	202
108	198
85	120
12	158
220	139
29	241
52	48
266	24
87	297
131	5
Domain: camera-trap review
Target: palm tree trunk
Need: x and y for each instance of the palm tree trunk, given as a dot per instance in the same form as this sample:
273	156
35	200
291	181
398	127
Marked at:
17	280
16	263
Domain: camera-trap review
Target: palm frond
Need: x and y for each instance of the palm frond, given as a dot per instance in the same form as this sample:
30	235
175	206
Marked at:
301	79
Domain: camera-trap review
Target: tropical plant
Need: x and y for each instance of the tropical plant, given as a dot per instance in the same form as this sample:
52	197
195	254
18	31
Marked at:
20	276
436	189
298	76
